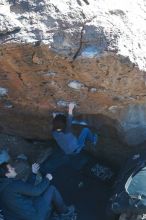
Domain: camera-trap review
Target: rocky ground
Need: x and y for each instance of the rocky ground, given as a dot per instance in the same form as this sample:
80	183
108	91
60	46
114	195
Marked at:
89	195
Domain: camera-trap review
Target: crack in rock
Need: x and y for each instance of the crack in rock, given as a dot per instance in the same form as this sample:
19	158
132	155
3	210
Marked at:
20	77
80	46
80	3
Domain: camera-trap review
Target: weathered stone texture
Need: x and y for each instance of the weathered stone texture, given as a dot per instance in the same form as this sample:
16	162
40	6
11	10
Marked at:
89	52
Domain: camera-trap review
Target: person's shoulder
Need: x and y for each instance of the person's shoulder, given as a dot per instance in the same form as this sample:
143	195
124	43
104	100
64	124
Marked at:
6	184
16	183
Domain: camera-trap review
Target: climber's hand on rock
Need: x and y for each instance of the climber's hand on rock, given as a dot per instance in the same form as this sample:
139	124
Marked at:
71	107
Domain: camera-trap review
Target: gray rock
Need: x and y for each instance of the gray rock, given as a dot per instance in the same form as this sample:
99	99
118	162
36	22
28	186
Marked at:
102	172
50	74
133	124
3	91
63	103
93	90
8	21
87	29
113	108
8	104
129	216
76	85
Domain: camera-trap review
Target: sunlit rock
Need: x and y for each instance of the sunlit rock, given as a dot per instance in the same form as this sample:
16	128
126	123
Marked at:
62	103
75	85
93	90
8	21
3	91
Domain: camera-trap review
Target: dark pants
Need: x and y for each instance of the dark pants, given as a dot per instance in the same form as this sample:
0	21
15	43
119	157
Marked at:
50	199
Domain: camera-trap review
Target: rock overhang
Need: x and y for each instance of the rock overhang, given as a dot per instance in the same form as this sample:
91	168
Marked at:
99	46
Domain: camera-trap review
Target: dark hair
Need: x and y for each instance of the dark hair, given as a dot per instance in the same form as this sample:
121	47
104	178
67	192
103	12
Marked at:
59	122
3	169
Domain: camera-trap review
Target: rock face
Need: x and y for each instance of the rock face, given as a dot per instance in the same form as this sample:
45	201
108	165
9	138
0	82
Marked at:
91	52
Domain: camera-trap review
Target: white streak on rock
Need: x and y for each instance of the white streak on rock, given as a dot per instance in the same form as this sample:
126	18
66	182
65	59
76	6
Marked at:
113	108
93	90
63	103
3	91
76	85
50	74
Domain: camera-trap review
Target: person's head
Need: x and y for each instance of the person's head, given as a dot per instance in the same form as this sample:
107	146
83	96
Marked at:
18	169
7	170
59	123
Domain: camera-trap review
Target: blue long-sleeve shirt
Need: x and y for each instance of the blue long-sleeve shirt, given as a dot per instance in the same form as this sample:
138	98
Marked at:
66	140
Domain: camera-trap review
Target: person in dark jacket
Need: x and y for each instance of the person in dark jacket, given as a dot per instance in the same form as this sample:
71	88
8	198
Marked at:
4	158
62	133
24	201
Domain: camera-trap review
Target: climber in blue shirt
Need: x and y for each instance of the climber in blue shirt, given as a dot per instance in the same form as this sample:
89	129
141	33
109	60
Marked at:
62	133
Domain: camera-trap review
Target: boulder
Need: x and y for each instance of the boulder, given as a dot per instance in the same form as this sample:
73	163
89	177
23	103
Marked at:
84	51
